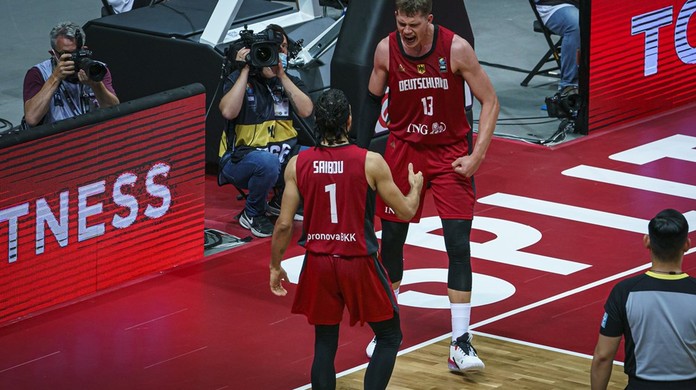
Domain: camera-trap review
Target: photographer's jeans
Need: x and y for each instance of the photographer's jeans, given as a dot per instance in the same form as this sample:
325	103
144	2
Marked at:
257	172
566	22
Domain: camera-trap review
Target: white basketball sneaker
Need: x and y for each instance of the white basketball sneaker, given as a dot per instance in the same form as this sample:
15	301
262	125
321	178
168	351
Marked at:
371	347
463	356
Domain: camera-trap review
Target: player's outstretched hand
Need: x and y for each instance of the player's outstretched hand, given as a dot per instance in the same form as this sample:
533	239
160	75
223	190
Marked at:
415	179
277	276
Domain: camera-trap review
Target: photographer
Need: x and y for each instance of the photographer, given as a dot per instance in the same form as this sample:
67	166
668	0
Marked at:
259	135
562	17
69	83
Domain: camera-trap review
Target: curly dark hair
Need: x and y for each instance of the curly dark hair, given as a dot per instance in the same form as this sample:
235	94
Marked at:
331	112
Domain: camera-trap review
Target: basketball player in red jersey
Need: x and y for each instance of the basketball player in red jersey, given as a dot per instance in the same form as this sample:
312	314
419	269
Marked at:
336	181
424	65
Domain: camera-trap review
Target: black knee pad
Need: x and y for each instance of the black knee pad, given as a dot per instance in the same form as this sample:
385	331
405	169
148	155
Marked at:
393	239
457	233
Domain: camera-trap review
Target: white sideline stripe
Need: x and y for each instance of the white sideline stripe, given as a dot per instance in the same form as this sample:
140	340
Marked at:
175	357
29	362
632	181
541	346
510	314
156	319
562	295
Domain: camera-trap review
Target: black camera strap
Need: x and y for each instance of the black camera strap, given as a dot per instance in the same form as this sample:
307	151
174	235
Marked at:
71	103
63	92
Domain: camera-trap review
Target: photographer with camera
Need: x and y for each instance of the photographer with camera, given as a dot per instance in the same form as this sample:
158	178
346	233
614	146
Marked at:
69	83
562	17
259	137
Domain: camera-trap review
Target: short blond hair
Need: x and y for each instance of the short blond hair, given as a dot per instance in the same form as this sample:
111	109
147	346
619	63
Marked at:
414	7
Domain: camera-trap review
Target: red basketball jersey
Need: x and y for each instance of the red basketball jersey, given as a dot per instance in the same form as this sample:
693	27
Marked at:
338	202
426	100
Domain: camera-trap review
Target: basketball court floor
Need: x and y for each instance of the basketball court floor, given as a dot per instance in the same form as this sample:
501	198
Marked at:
555	228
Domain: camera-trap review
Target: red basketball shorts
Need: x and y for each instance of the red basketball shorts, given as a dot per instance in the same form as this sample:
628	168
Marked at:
328	284
453	193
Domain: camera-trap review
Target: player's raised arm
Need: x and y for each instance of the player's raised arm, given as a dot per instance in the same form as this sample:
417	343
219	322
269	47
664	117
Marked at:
380	178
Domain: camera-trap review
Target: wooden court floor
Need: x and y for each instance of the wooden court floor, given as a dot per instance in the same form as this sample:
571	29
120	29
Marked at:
509	365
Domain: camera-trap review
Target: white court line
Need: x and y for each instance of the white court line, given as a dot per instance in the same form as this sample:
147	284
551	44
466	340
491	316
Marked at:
562	295
156	319
175	357
510	314
630	180
29	362
541	346
578	214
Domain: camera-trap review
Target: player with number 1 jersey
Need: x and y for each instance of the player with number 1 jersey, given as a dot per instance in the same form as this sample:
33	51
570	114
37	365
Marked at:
339	214
341	268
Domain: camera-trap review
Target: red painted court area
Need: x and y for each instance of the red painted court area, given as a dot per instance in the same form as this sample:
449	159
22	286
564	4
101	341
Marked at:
554	230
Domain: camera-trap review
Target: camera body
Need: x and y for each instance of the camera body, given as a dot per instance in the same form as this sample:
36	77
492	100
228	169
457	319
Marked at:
564	104
264	47
95	70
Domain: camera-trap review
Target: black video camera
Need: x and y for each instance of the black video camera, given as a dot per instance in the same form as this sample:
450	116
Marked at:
564	104
264	47
95	70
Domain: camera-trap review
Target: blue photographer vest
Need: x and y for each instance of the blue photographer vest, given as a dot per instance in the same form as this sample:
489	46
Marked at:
69	100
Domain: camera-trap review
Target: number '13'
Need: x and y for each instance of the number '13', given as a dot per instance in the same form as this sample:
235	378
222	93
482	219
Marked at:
427	105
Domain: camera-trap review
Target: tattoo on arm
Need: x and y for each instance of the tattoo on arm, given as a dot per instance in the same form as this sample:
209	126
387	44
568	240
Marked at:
290	98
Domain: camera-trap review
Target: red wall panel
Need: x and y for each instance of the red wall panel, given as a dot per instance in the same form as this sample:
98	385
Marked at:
93	207
628	39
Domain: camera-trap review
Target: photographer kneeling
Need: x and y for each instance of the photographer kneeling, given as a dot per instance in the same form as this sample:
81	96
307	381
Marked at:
69	83
259	135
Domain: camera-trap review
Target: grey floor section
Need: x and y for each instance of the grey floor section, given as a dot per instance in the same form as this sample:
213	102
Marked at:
502	29
25	25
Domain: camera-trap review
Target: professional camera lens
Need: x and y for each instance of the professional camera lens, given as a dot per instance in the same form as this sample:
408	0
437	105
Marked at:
96	71
263	54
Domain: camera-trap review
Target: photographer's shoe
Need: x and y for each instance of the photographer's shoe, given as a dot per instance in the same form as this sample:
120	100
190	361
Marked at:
569	90
274	209
259	225
463	356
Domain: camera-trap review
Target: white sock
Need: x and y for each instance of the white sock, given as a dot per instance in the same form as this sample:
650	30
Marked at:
461	315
